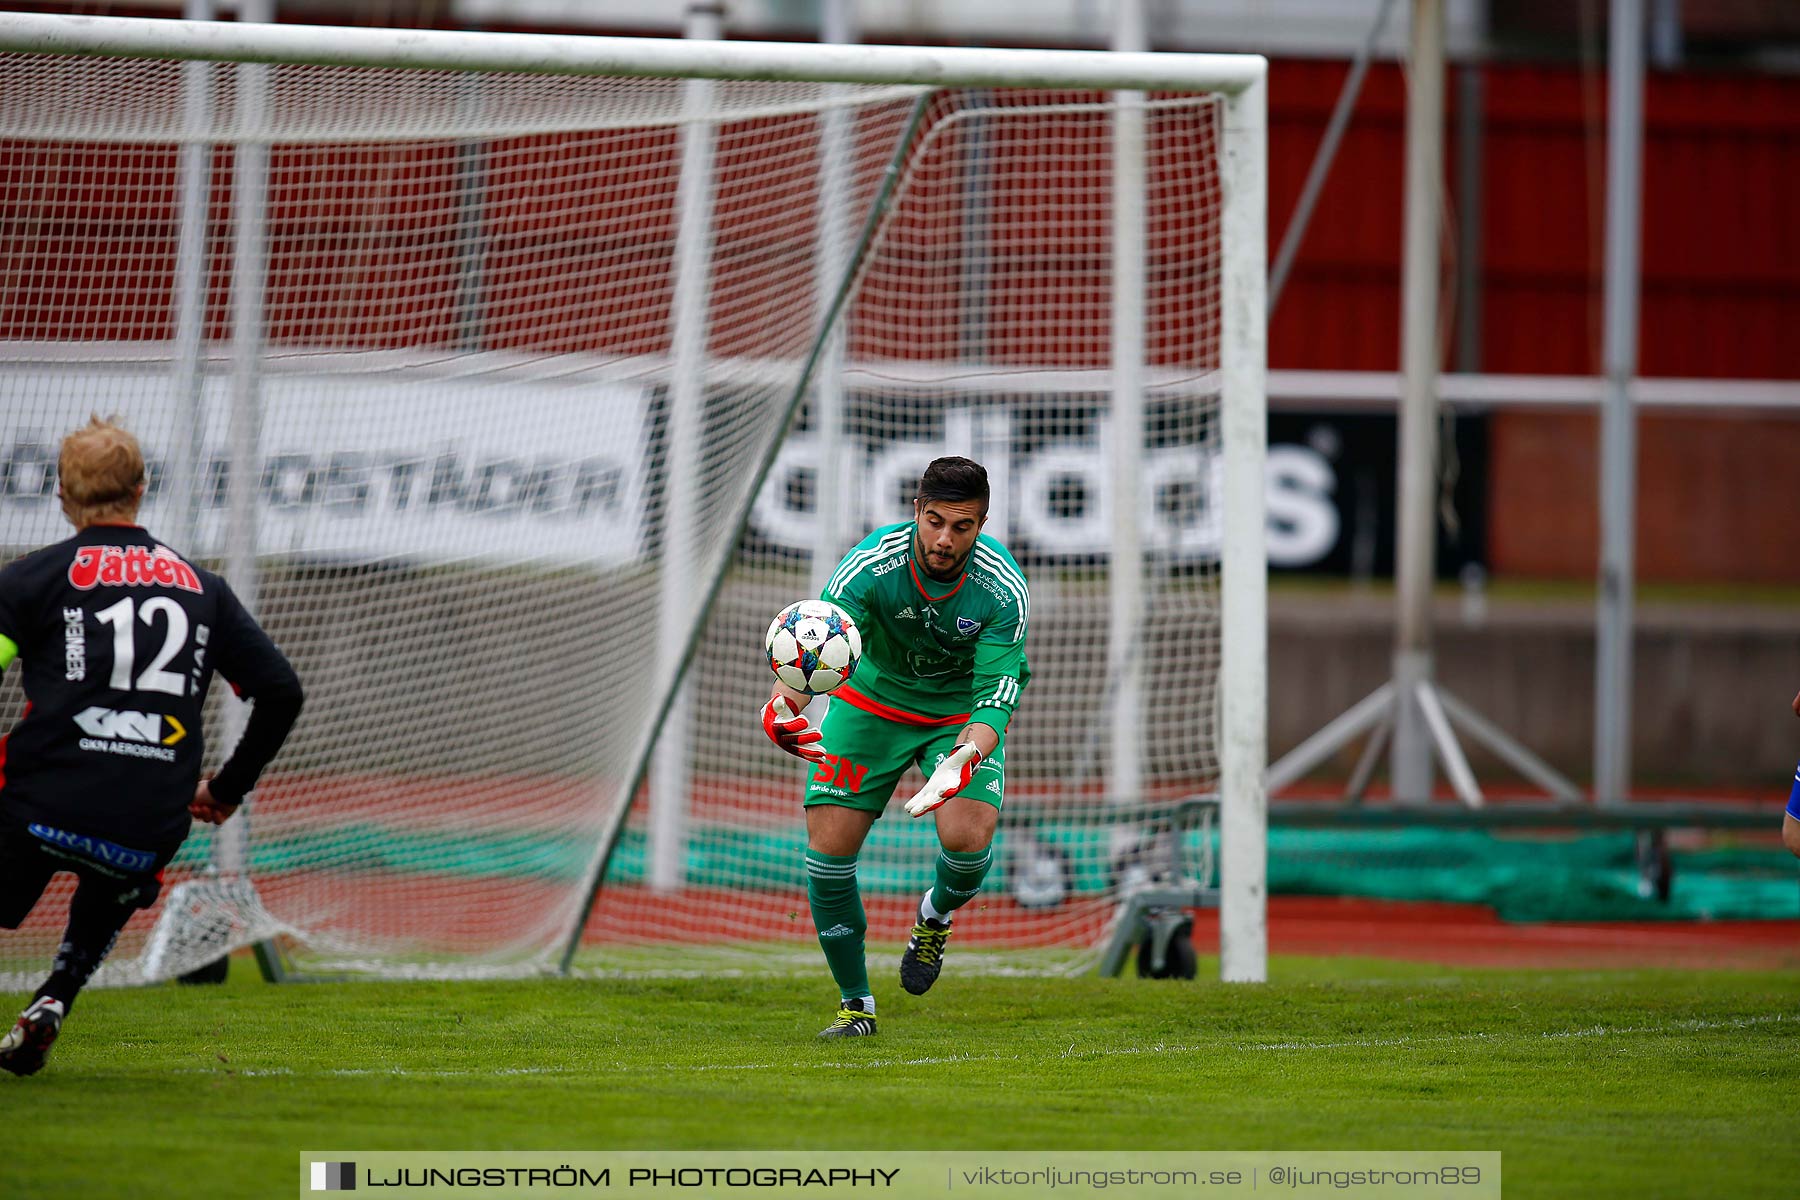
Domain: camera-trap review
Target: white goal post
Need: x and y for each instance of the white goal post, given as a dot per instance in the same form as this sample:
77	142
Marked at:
535	345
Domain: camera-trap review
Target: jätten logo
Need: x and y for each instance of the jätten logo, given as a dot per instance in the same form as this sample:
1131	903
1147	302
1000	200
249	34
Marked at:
131	566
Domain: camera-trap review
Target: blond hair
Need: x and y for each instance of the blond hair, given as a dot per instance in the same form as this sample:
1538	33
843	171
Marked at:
100	474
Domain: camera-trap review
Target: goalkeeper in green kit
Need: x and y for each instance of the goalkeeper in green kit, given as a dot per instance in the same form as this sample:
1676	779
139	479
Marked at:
943	610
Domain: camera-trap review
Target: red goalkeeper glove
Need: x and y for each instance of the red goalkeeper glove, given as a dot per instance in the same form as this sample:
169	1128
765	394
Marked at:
952	776
790	731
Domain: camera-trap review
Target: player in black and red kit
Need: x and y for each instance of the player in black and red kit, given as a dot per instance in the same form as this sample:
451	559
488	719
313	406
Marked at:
119	637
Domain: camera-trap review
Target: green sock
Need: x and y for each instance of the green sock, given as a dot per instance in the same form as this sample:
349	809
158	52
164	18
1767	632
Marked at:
959	877
837	913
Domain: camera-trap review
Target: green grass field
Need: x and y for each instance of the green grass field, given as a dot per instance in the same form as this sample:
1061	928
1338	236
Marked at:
1630	1084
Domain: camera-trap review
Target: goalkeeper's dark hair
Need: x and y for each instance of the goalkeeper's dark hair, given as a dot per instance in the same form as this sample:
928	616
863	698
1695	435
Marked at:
954	479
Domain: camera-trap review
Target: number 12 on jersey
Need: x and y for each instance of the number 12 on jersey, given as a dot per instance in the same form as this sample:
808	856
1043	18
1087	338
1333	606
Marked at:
123	617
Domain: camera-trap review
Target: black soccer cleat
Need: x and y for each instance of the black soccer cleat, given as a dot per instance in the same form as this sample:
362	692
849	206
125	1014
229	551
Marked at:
924	956
851	1021
27	1043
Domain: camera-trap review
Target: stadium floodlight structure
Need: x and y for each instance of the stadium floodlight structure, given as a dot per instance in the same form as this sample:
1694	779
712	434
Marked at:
524	326
1411	709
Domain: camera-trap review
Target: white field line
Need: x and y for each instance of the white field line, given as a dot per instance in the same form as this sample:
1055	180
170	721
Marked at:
1073	1051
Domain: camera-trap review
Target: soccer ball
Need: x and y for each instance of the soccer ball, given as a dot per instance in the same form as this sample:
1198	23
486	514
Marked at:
813	646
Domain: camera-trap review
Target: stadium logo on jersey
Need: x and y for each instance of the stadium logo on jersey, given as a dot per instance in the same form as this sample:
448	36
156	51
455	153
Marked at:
131	566
966	627
128	726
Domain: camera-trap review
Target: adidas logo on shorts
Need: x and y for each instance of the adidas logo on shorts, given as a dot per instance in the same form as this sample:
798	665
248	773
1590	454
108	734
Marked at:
994	786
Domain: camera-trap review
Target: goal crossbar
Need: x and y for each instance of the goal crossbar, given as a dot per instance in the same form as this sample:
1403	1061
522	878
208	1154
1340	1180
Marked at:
554	54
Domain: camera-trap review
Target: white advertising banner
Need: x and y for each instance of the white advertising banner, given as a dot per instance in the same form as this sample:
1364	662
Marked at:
360	468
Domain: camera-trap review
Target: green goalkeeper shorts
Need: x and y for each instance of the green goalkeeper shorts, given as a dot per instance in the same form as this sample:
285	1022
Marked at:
867	754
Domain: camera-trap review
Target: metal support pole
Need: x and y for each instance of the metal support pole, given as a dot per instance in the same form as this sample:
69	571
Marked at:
472	158
1416	564
1358	787
1125	580
1372	710
249	283
1470	192
1507	750
188	458
837	149
687	407
1618	419
1443	739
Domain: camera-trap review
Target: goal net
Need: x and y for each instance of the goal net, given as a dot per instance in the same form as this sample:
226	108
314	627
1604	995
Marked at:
503	396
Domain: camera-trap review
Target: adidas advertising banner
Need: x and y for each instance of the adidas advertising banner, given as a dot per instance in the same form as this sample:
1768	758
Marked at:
1330	484
908	1175
361	466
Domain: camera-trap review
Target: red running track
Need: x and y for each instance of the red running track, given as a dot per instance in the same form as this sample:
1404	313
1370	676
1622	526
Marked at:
1451	934
1468	935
